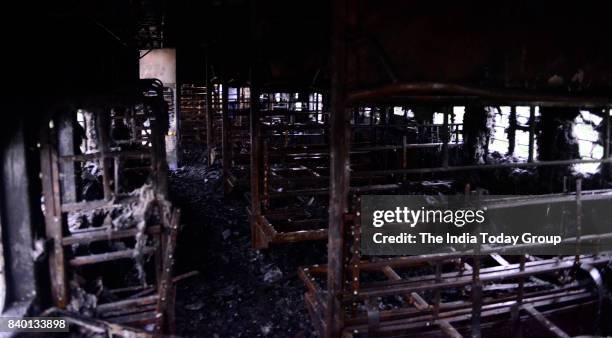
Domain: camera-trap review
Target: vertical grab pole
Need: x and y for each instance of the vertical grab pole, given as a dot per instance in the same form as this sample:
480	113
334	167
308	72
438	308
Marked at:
445	137
531	133
225	137
339	174
255	131
578	219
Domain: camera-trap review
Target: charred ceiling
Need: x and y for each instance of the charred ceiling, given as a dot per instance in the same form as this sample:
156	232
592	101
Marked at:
525	45
506	44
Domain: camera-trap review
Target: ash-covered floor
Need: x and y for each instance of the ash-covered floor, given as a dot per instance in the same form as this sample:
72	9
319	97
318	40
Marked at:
239	292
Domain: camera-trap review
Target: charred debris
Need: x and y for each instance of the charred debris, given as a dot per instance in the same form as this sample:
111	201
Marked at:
197	169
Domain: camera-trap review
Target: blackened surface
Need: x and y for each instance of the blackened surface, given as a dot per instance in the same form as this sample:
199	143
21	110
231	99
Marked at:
556	141
17	215
239	291
477	129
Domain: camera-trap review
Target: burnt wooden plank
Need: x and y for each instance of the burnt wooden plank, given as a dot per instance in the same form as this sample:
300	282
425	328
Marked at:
104	235
53	218
105	308
165	285
108	256
98	204
66	147
103	124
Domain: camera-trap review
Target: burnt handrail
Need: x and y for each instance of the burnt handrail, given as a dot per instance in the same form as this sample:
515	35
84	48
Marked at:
457	91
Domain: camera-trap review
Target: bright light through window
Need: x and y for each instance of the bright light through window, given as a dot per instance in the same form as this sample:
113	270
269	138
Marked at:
585	132
438	118
458	113
499	138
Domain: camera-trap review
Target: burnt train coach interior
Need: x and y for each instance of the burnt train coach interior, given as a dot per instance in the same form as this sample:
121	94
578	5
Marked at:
199	169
